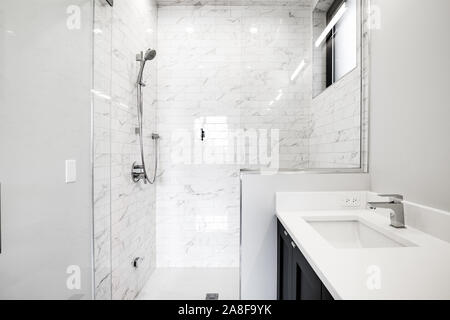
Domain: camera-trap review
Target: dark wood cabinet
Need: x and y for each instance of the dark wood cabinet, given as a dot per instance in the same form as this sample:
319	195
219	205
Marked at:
296	279
285	253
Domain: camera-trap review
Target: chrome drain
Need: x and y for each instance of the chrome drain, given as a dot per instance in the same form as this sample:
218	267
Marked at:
212	296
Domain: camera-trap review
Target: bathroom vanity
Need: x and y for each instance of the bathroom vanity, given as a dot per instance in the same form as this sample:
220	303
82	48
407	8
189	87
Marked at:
352	253
296	279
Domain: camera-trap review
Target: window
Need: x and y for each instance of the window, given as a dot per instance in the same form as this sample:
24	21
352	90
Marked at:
341	41
335	41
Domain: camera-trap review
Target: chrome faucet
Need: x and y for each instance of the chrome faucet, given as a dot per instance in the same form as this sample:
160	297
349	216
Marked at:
395	203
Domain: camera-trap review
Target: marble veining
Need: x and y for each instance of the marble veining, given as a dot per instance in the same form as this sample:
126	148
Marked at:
233	2
226	69
124	212
339	115
231	70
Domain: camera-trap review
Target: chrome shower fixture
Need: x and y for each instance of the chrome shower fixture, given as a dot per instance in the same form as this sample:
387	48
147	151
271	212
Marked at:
142	57
139	171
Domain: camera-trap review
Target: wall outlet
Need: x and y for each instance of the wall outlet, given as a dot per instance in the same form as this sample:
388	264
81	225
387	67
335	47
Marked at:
351	200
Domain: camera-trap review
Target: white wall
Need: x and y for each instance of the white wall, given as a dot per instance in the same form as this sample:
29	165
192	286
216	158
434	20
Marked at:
410	101
258	223
45	119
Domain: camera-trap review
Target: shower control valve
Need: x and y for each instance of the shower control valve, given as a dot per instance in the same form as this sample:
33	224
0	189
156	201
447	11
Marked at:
138	173
202	134
137	261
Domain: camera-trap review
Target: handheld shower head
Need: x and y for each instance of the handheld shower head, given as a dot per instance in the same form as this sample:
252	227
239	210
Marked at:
139	171
150	54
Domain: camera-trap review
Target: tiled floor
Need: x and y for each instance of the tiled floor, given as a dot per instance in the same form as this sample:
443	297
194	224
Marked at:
191	284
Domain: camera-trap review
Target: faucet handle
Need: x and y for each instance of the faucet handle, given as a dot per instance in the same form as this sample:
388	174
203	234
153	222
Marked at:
396	198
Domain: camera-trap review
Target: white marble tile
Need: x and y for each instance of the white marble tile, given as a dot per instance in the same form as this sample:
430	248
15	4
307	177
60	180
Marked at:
339	115
233	2
125	217
224	68
219	68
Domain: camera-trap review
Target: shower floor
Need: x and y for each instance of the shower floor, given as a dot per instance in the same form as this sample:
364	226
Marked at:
191	284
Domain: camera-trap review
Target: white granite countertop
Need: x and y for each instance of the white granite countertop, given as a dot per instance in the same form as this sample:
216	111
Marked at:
421	272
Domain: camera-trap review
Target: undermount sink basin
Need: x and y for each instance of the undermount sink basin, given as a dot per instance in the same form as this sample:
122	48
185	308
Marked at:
353	233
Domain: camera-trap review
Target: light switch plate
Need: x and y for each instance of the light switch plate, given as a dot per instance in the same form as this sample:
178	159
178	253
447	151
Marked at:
71	171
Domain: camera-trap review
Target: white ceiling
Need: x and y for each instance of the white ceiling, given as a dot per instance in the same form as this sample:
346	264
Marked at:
234	2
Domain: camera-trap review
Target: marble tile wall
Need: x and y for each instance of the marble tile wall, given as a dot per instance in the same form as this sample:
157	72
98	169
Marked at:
226	69
102	148
336	124
274	96
232	70
125	217
234	2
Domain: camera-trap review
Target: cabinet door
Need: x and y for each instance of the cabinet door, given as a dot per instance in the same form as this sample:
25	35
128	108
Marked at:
306	284
284	265
326	295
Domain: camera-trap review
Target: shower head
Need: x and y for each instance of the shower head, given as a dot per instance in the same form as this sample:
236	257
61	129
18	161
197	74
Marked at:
150	54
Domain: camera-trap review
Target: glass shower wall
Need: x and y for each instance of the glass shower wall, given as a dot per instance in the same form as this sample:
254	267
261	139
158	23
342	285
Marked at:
199	91
125	227
45	135
230	89
235	93
275	85
241	75
102	108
